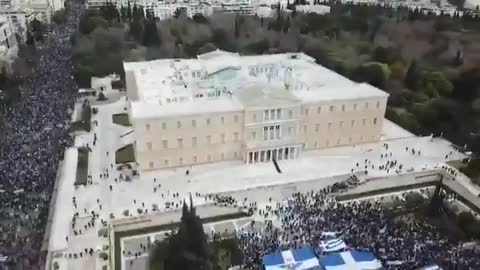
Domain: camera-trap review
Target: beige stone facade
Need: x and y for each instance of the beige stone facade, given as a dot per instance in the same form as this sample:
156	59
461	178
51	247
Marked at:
221	107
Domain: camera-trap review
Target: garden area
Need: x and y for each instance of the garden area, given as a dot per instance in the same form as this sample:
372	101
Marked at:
82	166
84	124
121	119
125	154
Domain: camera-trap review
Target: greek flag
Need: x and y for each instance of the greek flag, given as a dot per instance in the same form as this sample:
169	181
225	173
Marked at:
333	245
3	258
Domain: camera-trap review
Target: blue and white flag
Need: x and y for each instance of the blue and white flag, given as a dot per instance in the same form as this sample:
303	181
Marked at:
3	258
333	245
298	259
350	260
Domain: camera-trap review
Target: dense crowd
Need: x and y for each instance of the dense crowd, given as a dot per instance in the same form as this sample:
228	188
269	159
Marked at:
305	219
35	137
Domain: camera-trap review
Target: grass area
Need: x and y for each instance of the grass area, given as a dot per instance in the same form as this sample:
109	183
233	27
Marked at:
121	119
125	155
82	166
85	123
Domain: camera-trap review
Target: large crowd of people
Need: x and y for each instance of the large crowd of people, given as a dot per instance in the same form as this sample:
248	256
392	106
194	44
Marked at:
34	139
305	219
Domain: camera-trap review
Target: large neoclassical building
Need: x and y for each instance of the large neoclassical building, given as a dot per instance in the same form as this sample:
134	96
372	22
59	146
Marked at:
223	106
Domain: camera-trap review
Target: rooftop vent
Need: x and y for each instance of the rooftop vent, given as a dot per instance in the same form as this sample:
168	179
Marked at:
294	56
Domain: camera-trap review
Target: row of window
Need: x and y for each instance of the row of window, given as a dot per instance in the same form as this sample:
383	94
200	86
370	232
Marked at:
194	159
180	123
332	108
275	132
208	140
341	124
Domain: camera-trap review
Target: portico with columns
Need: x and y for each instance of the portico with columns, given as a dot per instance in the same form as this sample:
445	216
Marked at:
277	153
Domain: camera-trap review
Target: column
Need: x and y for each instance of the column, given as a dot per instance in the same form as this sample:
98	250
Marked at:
250	157
255	157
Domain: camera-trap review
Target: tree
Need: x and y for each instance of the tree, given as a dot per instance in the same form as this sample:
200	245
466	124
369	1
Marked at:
187	248
59	17
467	84
412	76
414	200
151	37
374	73
209	47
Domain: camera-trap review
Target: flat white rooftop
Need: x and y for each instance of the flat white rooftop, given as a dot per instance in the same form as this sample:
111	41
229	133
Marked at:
217	79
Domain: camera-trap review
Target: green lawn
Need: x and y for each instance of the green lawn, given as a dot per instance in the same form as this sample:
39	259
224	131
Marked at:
121	119
125	155
84	124
82	166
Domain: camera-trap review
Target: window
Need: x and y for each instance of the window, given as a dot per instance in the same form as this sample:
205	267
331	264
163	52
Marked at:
341	124
149	145
343	107
147	127
306	112
235	119
353	123
235	137
164	125
235	155
279	114
350	139
209	158
364	121
277	132
254	135
222	156
265	133
265	115
180	142
222	138
332	108
290	131
304	129
375	121
150	164
272	114
271	133
179	124
290	114
180	161
209	139
338	141
222	120
319	109
254	117
355	106
317	127
165	144
329	125
378	104
194	123
366	105
194	158
165	162
208	121
194	141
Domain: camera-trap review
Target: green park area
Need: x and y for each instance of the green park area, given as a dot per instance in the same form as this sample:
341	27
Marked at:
121	119
82	166
125	154
84	124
